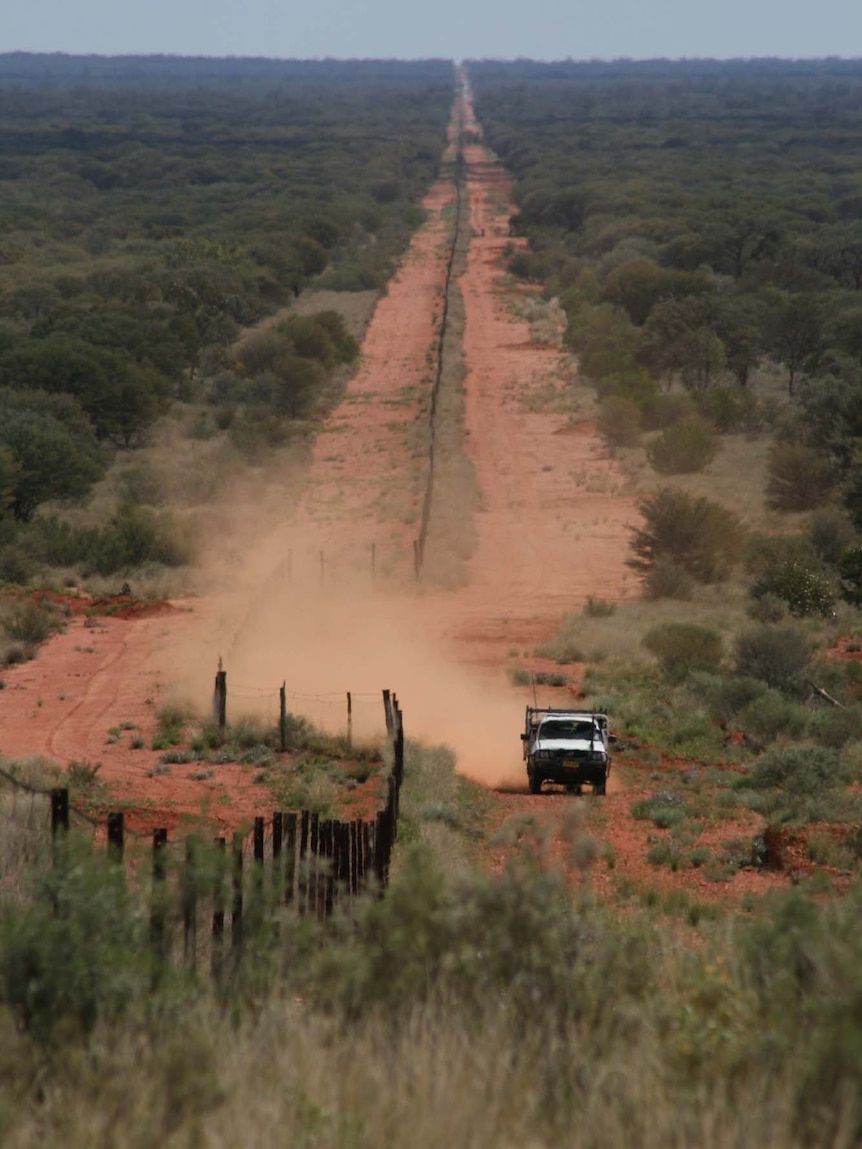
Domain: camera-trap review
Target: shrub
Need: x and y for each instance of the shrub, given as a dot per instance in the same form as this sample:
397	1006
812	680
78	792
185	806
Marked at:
599	607
770	715
830	534
777	655
702	537
836	727
765	554
766	608
16	565
805	591
727	408
850	572
683	646
30	623
726	697
803	771
800	479
619	421
664	410
683	448
667	579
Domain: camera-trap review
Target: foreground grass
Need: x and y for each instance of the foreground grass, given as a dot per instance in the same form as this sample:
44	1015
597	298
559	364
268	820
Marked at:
460	1009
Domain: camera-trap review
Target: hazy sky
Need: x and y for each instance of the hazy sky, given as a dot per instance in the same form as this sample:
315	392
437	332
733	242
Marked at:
542	29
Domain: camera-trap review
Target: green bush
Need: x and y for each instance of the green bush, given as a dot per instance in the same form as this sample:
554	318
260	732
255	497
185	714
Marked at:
850	572
681	647
619	421
834	727
683	448
30	623
702	537
78	952
799	478
804	590
663	410
728	409
766	608
666	579
772	715
830	533
725	697
777	655
803	771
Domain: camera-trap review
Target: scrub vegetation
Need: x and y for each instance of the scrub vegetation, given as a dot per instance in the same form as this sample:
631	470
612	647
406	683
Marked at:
153	211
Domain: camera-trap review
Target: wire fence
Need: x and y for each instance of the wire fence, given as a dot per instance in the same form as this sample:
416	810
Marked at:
294	858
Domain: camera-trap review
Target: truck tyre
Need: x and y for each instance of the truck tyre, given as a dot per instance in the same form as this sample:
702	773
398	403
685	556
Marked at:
600	787
535	783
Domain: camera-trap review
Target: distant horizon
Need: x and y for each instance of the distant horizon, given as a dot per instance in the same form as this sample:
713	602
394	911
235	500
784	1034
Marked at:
548	32
144	55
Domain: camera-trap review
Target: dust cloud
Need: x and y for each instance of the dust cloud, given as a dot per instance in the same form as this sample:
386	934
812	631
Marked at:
323	641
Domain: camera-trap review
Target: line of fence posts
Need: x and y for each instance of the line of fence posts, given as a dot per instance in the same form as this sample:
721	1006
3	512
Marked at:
315	864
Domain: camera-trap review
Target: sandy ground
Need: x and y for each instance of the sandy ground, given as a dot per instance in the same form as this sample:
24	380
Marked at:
326	601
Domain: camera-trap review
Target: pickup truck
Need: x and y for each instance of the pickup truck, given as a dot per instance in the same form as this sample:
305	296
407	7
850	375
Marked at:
569	747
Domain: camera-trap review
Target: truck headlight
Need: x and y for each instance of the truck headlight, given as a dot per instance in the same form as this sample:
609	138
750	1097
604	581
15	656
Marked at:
596	756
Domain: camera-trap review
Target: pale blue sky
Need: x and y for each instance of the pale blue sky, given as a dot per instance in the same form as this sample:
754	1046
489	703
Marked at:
542	29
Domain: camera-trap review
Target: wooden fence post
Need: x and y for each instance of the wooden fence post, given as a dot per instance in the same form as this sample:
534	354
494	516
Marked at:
116	835
290	856
282	717
314	854
218	909
220	699
190	899
157	905
304	882
59	812
236	906
349	719
387	710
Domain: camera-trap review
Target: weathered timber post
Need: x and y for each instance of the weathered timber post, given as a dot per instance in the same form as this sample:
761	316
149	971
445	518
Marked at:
218	909
220	699
282	717
290	856
116	835
314	852
349	719
190	898
304	882
59	812
236	906
387	710
417	560
157	905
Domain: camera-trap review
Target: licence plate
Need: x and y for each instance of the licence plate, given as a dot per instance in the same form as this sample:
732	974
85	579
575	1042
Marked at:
572	764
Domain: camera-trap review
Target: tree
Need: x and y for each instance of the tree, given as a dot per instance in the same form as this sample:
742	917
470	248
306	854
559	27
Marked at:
795	331
53	446
800	478
703	538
